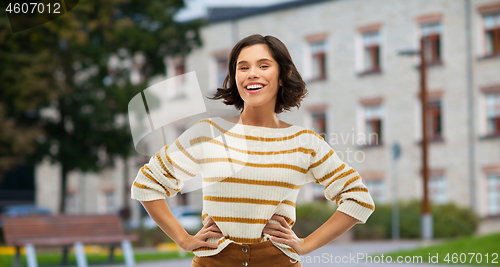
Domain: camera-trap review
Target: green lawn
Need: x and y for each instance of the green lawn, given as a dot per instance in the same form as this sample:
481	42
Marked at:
46	259
486	251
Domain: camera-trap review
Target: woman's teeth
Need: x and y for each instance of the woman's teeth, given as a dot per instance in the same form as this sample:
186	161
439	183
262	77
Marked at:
254	87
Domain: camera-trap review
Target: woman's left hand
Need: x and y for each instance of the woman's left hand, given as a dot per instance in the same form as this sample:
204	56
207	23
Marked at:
283	233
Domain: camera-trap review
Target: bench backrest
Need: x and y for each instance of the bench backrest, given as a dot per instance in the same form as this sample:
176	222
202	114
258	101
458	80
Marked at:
50	226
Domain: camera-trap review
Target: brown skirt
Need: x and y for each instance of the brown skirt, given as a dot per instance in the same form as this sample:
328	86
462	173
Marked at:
258	254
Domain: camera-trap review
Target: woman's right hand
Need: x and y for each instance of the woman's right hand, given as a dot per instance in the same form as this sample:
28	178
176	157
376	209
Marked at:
200	239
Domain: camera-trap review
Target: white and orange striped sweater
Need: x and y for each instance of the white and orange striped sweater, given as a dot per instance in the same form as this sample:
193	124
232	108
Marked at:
250	173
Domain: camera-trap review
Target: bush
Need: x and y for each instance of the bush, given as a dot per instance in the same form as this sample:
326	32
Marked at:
449	220
453	221
311	216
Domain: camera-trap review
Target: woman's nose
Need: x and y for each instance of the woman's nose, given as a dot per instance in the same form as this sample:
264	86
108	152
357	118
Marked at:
252	73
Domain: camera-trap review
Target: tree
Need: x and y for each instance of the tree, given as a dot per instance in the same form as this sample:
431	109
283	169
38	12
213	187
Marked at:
26	84
86	133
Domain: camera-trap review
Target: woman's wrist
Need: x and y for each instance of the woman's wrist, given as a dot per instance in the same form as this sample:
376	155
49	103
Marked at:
307	246
183	240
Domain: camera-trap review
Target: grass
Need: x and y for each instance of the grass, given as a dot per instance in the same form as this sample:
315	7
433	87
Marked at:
450	252
488	246
54	259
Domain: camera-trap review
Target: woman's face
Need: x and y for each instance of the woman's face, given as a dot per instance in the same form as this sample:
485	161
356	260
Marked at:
255	66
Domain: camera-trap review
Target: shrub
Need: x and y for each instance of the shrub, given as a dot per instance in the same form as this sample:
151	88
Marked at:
311	216
449	220
452	221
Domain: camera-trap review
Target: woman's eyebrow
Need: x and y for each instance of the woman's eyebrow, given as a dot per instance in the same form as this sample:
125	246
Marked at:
260	60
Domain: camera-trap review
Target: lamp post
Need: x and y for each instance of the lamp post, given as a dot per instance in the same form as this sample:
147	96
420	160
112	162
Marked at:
396	153
426	229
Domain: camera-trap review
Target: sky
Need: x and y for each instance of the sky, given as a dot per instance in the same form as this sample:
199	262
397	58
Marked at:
198	8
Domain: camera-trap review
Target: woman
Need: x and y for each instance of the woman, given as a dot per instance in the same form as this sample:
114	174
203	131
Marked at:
253	166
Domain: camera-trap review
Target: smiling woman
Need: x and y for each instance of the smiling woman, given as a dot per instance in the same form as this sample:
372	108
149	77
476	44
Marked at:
252	176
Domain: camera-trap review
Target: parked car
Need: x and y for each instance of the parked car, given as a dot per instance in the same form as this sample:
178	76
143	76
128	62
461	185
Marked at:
188	216
23	210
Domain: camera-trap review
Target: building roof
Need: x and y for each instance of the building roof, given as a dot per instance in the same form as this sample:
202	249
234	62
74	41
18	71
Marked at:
220	14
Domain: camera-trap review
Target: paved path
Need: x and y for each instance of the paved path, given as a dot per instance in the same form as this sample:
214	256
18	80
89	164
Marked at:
327	255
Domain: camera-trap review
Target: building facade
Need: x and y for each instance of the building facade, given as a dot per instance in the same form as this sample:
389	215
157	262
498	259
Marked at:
363	95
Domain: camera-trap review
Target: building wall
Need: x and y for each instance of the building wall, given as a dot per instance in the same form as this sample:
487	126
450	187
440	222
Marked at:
397	84
344	89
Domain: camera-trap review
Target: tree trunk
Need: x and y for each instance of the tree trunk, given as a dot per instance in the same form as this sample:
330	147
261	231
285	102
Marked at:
64	179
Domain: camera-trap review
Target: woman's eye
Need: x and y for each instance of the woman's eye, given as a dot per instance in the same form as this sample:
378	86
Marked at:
245	68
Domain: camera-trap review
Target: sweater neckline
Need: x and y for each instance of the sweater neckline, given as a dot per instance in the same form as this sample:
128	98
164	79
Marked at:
244	126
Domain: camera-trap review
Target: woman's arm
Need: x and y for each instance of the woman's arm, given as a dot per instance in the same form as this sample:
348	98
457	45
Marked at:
162	215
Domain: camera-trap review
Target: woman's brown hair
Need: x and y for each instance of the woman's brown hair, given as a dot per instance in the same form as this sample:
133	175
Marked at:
289	95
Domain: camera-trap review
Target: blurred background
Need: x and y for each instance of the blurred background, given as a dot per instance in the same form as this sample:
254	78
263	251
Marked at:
66	145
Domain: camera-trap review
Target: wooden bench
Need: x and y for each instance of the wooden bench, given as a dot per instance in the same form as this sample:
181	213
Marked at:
66	231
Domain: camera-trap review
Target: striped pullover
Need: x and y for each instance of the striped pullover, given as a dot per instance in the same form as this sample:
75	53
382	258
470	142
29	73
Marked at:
248	174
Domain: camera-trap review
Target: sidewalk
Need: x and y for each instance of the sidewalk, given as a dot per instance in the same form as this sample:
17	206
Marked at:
326	255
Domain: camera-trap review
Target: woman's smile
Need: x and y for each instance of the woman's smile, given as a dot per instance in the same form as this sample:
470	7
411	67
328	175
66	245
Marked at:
254	91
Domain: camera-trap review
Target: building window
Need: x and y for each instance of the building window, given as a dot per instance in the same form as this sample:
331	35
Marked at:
431	33
109	199
371	51
221	71
71	204
175	71
377	190
493	113
434	120
373	124
179	68
437	189
319	123
318	50
492	33
182	199
493	194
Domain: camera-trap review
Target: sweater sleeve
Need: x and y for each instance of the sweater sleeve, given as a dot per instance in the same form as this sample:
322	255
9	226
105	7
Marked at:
342	183
165	172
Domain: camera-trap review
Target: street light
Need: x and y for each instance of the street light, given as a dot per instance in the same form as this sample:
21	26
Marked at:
426	230
396	154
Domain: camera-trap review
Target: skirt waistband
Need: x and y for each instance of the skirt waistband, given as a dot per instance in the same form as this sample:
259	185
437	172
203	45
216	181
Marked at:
254	254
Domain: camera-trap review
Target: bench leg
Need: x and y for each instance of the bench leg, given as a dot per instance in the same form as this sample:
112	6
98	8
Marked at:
64	260
81	259
17	258
128	253
30	255
111	258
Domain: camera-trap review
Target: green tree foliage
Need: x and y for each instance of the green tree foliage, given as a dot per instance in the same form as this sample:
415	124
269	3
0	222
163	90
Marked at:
62	67
26	83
